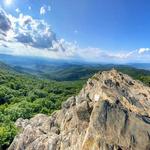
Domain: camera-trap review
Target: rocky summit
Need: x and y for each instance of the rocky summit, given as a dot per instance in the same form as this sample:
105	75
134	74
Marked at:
112	112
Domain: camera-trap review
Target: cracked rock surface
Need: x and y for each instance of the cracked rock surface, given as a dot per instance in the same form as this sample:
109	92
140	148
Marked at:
111	112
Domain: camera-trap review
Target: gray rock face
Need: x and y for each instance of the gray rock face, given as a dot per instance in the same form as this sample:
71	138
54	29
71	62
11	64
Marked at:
112	112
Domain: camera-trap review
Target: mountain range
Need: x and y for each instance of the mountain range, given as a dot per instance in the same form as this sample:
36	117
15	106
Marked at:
62	70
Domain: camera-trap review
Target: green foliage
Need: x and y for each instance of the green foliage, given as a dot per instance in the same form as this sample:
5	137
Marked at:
138	74
7	133
23	96
145	79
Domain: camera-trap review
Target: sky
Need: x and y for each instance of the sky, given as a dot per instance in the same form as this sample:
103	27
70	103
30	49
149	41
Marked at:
110	31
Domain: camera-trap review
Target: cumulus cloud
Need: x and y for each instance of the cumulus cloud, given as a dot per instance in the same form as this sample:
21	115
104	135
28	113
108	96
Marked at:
24	35
18	10
99	55
36	33
143	50
5	23
42	10
29	32
29	8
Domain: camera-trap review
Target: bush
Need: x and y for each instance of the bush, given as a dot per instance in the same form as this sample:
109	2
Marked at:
7	134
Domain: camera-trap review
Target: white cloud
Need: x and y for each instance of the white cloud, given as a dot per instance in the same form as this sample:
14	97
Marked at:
143	50
5	23
42	10
29	8
20	49
36	33
18	10
45	9
28	31
98	55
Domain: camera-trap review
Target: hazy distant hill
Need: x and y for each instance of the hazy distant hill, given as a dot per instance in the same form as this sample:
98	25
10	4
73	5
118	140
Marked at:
7	68
65	71
145	66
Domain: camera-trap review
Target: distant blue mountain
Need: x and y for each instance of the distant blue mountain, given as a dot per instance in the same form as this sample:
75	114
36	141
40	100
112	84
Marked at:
145	66
30	62
66	70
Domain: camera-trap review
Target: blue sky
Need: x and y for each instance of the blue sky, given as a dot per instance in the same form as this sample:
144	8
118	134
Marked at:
90	30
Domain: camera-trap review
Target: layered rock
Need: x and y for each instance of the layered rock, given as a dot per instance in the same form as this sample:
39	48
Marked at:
112	112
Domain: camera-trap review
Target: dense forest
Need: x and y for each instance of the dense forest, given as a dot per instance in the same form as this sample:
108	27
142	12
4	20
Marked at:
23	96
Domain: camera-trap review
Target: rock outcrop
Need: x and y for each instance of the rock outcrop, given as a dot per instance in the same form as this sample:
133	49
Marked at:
112	112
